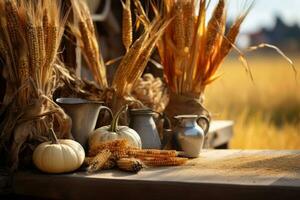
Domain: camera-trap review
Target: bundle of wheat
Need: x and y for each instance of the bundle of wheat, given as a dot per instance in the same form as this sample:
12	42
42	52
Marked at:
30	34
132	63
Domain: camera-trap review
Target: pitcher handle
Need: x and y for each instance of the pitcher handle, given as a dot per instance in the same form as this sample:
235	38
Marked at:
206	121
108	110
165	118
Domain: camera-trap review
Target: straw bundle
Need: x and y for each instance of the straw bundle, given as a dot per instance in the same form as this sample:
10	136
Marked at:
30	34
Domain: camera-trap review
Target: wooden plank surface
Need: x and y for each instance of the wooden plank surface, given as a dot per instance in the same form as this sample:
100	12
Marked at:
226	174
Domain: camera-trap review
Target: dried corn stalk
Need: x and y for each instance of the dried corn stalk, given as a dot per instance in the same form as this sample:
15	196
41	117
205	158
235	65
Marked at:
152	92
30	35
85	33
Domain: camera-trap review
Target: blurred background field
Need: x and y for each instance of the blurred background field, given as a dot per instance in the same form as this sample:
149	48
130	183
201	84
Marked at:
267	111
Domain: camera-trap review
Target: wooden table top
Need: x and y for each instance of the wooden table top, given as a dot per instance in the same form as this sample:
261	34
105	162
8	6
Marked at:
226	174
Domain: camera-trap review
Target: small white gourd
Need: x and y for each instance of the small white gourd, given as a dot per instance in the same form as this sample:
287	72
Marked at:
58	156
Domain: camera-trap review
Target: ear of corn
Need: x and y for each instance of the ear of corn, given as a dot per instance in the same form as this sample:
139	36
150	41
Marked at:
158	162
109	164
152	153
130	164
98	162
127	25
117	147
136	59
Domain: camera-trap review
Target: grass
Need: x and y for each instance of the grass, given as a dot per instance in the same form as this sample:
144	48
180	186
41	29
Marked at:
267	111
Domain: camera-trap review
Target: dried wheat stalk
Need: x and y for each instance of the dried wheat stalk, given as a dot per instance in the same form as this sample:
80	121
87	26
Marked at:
85	33
30	35
132	63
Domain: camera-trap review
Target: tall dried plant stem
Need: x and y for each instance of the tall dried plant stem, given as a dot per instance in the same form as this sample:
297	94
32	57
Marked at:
127	25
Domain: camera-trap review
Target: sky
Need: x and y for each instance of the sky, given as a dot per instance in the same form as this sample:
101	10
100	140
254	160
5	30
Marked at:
264	12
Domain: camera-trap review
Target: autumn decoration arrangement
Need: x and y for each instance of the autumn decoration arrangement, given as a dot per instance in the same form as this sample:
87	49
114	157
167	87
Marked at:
35	129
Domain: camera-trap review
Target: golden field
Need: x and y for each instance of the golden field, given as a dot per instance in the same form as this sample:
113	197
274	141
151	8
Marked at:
267	111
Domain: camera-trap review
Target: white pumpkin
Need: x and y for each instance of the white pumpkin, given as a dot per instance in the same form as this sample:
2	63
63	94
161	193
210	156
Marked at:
114	132
58	156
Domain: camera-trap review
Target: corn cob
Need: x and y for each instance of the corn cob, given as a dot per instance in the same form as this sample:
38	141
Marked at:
109	164
113	146
171	161
228	42
119	82
46	29
152	153
214	26
189	21
127	25
13	22
130	164
41	41
33	46
99	161
179	33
